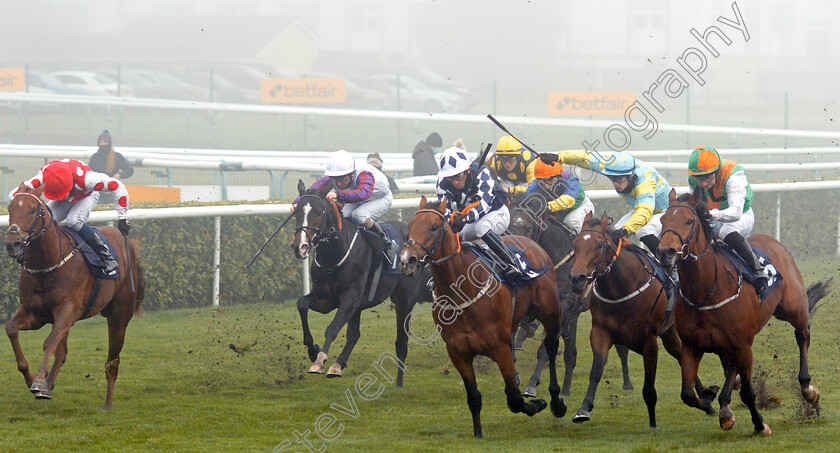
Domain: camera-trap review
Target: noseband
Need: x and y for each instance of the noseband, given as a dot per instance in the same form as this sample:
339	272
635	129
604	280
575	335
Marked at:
686	242
429	251
39	214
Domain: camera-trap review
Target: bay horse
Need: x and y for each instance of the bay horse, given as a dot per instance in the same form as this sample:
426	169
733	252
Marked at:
528	217
56	286
628	305
342	271
476	314
720	313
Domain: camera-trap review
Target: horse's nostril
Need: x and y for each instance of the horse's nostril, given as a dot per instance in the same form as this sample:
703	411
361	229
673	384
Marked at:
412	261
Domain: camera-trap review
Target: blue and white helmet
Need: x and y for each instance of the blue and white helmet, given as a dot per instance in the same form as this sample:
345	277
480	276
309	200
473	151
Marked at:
620	164
341	163
452	162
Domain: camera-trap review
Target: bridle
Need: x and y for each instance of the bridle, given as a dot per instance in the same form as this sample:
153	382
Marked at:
596	274
39	214
314	234
686	242
430	251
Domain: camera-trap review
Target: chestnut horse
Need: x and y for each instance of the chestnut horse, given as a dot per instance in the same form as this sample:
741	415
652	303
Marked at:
628	305
56	285
719	313
549	232
476	314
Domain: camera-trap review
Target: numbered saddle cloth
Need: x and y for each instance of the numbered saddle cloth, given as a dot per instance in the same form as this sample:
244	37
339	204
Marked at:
488	257
93	261
775	278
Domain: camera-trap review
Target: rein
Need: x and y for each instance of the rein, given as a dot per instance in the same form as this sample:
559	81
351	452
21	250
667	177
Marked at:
692	258
541	224
316	238
429	251
595	276
27	241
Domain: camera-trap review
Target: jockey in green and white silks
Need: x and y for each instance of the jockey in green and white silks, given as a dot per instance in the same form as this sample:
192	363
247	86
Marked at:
639	185
727	192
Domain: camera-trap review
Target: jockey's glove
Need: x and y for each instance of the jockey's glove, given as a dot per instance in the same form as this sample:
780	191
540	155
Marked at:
458	222
617	234
124	226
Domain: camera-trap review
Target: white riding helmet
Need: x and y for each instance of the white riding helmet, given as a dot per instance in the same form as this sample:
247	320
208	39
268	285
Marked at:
341	163
452	162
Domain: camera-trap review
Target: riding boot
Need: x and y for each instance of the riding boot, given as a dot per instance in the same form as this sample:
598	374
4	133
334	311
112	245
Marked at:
740	245
651	242
511	272
390	247
95	242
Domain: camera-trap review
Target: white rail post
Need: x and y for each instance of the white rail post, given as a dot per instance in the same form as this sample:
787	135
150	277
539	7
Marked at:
779	216
305	272
217	224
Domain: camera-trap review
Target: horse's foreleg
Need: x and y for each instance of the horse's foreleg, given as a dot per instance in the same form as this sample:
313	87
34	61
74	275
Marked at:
116	339
569	354
809	392
503	356
22	320
352	337
623	352
349	303
303	309
689	364
727	418
744	364
601	343
464	365
542	360
58	362
551	343
673	344
401	344
650	355
64	319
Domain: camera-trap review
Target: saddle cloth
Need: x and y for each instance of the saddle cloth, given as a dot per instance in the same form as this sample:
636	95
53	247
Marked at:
528	271
93	261
389	266
658	271
743	268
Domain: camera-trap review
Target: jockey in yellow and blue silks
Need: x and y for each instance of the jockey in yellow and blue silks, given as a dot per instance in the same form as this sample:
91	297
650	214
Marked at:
728	194
638	184
513	165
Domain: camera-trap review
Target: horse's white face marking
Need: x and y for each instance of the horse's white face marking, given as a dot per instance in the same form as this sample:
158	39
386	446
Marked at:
304	238
20	203
586	237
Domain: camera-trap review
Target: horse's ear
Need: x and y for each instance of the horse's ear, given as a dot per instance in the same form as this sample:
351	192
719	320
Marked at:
442	206
605	219
301	187
696	196
423	202
672	196
38	190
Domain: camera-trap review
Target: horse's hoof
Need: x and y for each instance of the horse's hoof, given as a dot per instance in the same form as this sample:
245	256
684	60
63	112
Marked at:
764	432
811	394
43	395
558	407
540	405
628	386
38	386
581	416
727	418
529	391
316	368
334	371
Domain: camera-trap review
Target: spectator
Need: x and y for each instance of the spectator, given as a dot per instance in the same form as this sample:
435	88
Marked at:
375	160
108	161
424	155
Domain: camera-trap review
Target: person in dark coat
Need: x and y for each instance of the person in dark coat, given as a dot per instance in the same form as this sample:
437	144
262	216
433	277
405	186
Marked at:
376	160
424	155
108	161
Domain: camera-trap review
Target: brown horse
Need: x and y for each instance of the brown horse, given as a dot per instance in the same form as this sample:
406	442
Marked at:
721	314
628	305
476	314
56	285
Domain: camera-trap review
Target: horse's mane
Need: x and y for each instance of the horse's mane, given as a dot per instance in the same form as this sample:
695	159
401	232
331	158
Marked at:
701	209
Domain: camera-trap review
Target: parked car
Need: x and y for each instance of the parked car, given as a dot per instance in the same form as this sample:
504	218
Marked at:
167	86
223	89
413	95
99	85
251	75
358	97
143	87
425	75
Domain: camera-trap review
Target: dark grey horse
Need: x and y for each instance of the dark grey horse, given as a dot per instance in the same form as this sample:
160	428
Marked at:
344	261
529	218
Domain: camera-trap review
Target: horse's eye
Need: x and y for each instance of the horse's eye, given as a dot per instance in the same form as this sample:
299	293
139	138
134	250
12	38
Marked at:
600	246
689	222
33	211
434	227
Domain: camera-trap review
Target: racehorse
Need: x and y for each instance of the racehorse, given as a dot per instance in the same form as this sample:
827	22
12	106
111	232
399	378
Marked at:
628	306
342	272
56	287
720	313
476	314
527	219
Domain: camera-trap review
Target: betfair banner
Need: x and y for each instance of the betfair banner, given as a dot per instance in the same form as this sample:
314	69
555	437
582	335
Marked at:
12	79
583	103
303	90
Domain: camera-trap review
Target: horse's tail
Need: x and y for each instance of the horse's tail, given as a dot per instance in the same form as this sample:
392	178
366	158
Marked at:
816	292
141	279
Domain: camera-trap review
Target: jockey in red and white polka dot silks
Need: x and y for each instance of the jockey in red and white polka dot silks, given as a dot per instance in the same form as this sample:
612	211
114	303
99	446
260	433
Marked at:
73	190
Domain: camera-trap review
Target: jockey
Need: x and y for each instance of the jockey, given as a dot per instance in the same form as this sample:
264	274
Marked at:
513	165
476	203
727	192
363	189
73	190
563	193
639	185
